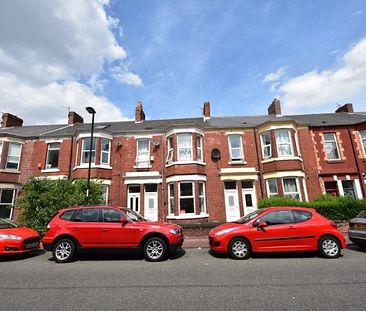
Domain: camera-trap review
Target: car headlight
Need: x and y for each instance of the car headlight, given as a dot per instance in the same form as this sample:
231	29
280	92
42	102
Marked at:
175	231
222	232
9	237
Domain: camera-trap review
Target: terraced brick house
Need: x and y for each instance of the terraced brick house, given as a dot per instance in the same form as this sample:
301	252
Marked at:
195	170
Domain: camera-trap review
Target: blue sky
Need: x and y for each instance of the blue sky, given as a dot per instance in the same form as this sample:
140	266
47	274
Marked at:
174	55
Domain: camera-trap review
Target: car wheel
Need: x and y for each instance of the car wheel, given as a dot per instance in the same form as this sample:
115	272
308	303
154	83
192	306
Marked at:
64	250
329	247
239	248
155	249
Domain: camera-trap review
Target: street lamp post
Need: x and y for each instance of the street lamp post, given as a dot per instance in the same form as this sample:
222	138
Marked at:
92	112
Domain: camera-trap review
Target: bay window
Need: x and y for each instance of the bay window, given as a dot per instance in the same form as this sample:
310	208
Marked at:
6	201
1	149
85	152
171	199
272	187
201	194
331	146
290	188
186	198
13	159
266	145
53	151
236	148
199	148
363	140
105	151
169	158
283	141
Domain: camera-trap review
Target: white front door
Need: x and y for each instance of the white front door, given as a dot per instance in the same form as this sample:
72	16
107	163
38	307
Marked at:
249	200
232	205
151	206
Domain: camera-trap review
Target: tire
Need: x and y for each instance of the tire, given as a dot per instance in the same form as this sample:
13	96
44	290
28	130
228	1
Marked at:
64	250
155	249
329	247
239	248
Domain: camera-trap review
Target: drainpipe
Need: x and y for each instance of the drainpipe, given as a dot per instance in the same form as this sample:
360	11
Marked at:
255	132
162	146
70	160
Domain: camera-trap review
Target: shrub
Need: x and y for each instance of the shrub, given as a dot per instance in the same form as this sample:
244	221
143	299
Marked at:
41	198
335	208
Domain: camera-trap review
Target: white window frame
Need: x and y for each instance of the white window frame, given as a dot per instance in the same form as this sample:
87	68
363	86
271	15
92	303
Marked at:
12	201
363	141
84	151
105	152
202	197
289	142
1	149
266	146
185	147
171	199
240	148
48	153
170	147
187	197
142	158
333	142
199	146
288	194
105	193
269	193
18	157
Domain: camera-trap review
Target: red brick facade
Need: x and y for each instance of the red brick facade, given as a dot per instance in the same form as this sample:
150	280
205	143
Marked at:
200	170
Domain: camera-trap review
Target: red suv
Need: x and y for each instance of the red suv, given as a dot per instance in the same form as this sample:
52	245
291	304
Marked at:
73	230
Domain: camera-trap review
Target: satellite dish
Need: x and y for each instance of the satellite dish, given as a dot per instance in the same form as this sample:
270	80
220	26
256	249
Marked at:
215	154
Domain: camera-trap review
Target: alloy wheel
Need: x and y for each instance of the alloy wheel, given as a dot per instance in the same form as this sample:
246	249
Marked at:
154	249
239	249
330	247
63	251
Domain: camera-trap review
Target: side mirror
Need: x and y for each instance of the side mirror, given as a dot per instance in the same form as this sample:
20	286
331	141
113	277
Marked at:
123	221
262	224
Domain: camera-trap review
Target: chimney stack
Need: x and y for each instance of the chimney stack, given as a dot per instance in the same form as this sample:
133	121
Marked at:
275	107
345	108
75	118
10	120
139	113
206	111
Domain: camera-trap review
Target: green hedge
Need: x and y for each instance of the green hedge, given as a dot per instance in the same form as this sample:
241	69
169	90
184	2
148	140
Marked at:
335	208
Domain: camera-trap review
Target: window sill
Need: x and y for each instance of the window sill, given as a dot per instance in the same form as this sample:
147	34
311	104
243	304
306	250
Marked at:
237	162
50	170
335	161
142	166
289	158
86	166
10	171
185	163
188	216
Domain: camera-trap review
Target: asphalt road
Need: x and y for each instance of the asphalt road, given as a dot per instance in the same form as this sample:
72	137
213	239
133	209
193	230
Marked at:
190	280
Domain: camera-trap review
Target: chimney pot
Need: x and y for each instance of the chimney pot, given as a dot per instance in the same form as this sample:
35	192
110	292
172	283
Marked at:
345	108
275	107
9	120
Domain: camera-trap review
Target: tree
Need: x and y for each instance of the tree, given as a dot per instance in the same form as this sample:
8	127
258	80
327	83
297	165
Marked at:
42	198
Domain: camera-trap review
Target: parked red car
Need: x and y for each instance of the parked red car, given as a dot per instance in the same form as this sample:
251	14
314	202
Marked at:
17	240
74	230
278	229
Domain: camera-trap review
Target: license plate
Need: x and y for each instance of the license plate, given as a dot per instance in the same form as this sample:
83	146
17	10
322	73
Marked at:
360	226
31	245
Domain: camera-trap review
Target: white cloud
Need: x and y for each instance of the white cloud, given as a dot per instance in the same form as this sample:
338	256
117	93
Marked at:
318	89
49	47
275	76
121	74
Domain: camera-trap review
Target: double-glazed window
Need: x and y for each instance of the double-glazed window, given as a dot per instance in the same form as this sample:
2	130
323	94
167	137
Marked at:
290	188
201	196
1	149
143	152
13	159
105	190
85	152
283	141
105	151
171	199
53	152
363	140
169	158
185	147
236	148
199	148
331	146
272	187
6	201
186	198
266	145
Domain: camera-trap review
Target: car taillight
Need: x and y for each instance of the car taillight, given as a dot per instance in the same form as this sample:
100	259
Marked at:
351	225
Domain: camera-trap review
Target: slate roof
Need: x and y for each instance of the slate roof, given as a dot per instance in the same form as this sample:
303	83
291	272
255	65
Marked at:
158	126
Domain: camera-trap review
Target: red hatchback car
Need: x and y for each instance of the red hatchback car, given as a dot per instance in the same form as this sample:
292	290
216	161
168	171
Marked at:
278	229
109	228
17	240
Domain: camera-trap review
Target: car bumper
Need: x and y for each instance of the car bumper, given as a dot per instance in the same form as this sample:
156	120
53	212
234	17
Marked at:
176	243
358	237
13	248
217	245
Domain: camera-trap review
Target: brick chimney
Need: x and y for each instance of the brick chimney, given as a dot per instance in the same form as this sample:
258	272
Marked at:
139	113
345	108
206	111
275	107
75	118
10	120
